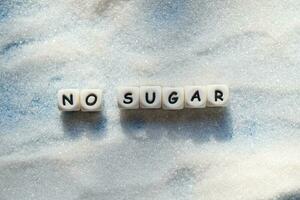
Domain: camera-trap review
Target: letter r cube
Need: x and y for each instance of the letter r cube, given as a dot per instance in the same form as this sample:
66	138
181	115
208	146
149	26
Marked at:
217	95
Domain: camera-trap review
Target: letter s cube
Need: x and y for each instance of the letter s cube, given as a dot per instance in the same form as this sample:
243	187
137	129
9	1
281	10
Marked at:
128	97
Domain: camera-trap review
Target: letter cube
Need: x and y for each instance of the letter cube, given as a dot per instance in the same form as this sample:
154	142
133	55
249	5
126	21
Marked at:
68	100
91	100
173	98
128	97
195	96
150	97
217	95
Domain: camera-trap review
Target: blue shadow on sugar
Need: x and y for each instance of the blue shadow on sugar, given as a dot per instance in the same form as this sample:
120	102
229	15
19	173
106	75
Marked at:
168	11
4	10
199	125
14	45
289	196
89	124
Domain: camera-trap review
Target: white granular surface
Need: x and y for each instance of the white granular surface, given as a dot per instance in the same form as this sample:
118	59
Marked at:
249	151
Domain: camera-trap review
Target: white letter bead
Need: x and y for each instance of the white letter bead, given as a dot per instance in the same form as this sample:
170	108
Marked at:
195	96
68	100
90	100
128	97
173	98
150	97
217	95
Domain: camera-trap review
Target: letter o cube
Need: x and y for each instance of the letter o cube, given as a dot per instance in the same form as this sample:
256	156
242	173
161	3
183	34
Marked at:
90	100
173	98
68	100
129	97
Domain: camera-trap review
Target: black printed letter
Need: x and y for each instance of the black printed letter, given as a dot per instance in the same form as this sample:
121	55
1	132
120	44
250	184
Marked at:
94	100
218	95
196	95
65	98
174	99
128	98
147	98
